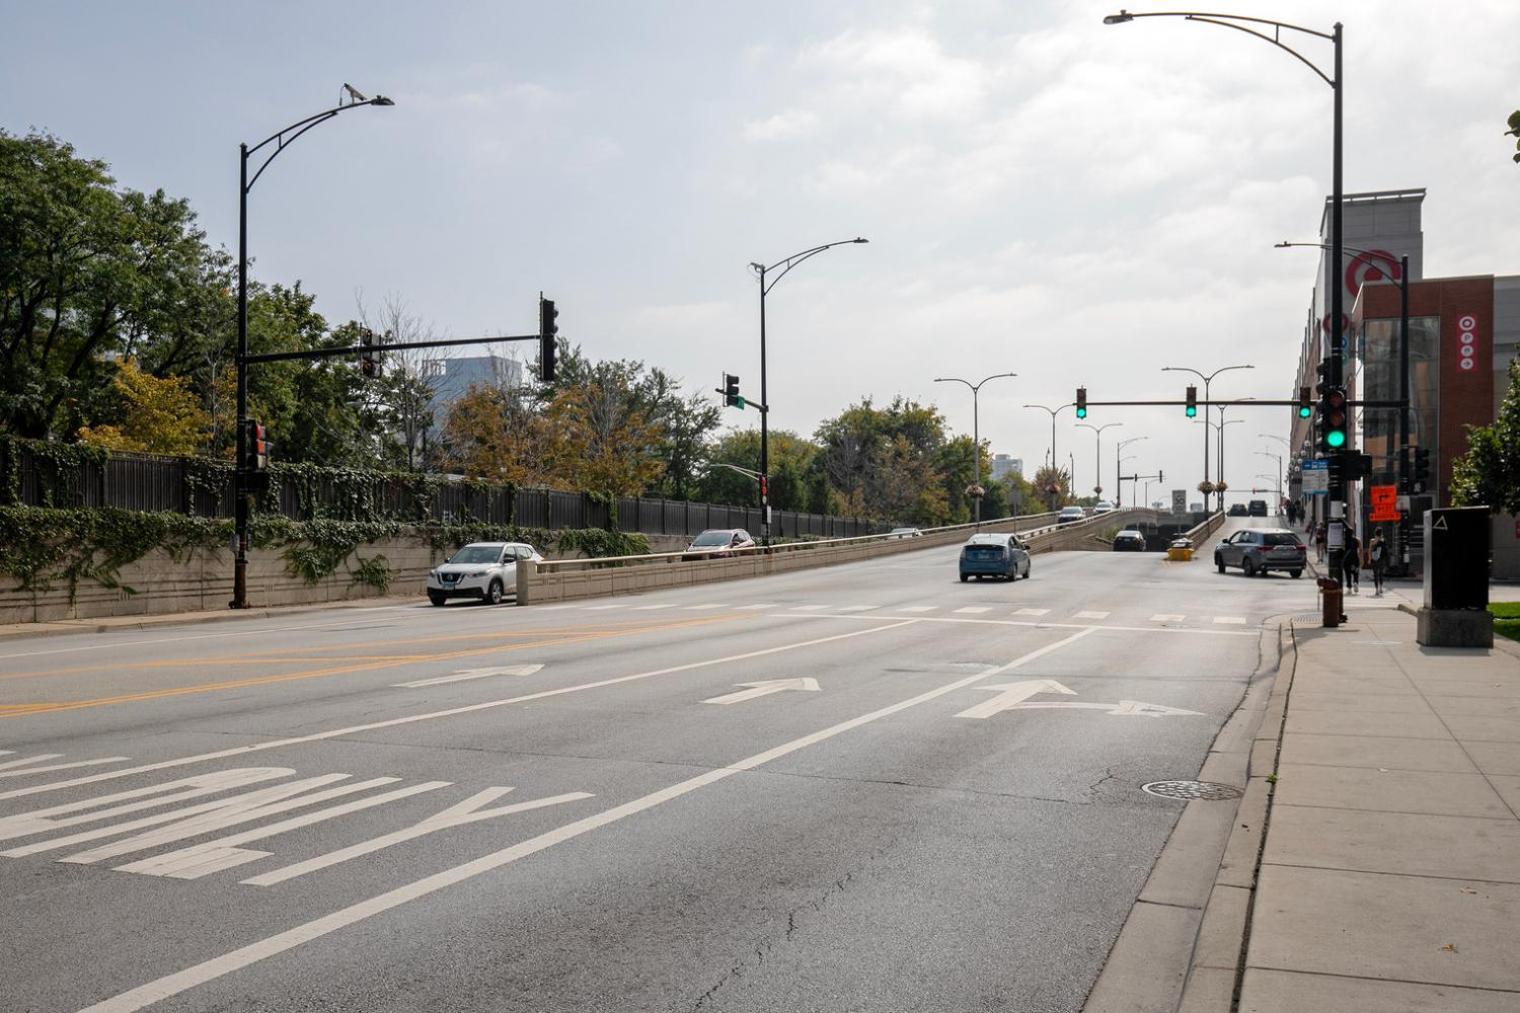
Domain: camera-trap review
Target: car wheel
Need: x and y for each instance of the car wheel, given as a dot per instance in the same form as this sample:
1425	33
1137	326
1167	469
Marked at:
1248	566
494	593
1026	571
1295	574
1219	562
965	577
436	599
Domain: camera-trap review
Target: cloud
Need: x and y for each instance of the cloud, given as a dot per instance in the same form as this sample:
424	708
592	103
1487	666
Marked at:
782	126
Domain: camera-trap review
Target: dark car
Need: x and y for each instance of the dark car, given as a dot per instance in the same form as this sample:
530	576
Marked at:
1129	540
1258	551
1237	510
1258	508
988	555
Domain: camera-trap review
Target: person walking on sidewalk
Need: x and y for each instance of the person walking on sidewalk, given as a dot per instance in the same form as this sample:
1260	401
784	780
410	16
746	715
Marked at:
1320	534
1351	562
1377	554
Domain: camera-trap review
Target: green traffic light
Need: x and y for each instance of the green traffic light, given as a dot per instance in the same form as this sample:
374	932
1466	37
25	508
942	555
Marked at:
1192	412
1335	439
1304	412
1081	413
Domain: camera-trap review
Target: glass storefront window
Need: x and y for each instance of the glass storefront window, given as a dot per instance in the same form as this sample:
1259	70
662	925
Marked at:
1379	380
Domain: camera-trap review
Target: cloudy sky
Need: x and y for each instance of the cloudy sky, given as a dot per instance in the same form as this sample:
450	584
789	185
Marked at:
1076	203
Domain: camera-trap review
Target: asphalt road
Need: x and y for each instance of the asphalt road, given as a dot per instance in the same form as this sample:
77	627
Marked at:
265	815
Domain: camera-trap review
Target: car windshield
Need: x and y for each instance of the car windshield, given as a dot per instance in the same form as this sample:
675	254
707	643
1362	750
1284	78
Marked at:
1281	538
711	538
477	554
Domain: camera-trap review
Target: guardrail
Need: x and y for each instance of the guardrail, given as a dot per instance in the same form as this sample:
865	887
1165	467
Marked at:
1199	532
559	580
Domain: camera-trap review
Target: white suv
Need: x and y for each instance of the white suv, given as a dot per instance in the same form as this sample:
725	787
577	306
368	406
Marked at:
486	571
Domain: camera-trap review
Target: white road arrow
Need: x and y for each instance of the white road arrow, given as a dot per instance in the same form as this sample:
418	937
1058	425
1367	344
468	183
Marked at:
1124	708
759	689
472	673
1011	694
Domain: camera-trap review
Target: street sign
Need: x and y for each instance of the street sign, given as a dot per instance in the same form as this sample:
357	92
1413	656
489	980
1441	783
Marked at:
1385	503
1179	501
1315	477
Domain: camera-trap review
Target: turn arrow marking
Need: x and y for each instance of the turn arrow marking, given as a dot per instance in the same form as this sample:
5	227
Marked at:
1011	694
472	673
1124	708
759	689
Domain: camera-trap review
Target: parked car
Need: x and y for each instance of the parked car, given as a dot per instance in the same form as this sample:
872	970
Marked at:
1236	510
1261	550
1129	540
720	542
989	555
1258	508
1103	506
486	571
904	533
1071	514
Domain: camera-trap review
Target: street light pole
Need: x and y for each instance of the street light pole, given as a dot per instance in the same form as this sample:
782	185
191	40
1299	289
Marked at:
1098	452
1207	378
349	98
1118	482
1053	413
1279	460
761	272
976	438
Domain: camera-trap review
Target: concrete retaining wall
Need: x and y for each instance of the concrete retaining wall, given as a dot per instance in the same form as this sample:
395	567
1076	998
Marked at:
557	581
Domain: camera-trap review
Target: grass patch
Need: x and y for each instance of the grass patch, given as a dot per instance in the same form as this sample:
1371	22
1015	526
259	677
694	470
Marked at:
1506	618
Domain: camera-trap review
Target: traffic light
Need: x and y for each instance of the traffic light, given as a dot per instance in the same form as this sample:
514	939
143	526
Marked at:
1304	408
547	330
1333	415
765	490
1081	402
1421	469
730	392
1322	370
369	359
1192	402
255	446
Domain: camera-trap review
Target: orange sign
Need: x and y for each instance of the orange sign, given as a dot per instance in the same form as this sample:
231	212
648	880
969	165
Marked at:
1385	503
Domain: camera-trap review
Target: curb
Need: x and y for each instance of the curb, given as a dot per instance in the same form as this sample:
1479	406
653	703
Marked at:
1182	947
110	624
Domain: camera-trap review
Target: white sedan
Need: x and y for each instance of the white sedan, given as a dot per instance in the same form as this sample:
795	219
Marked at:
485	571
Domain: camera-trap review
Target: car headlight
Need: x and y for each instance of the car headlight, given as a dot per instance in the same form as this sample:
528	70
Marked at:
476	573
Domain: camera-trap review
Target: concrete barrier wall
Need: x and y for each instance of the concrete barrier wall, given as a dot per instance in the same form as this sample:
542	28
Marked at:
570	580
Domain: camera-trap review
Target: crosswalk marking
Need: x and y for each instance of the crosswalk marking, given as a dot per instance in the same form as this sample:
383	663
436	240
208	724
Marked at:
1230	620
714	605
1031	612
1166	617
972	610
918	608
604	608
1092	615
761	605
651	608
808	608
858	608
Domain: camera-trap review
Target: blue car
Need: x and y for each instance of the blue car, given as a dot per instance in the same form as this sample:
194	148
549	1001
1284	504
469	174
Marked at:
986	555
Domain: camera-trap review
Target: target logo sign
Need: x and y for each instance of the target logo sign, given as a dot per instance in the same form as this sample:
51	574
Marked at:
1467	348
1373	265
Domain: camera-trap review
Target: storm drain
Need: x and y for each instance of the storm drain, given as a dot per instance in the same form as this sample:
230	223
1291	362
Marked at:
1209	791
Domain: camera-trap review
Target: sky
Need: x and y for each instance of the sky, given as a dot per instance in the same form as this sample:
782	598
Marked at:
1045	195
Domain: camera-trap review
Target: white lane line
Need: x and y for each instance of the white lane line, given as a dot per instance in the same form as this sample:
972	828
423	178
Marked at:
450	712
1029	624
1229	620
1031	612
919	608
713	605
651	608
761	605
1092	615
471	673
553	608
209	970
856	608
1167	617
971	610
808	608
52	766
604	608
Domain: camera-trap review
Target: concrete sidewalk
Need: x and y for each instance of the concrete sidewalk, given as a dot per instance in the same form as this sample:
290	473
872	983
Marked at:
1390	874
107	624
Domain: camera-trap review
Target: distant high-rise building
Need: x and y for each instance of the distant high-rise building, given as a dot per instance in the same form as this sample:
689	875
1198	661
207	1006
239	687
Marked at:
1004	465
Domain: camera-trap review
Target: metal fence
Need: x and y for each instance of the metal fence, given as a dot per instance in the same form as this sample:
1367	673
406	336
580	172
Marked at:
31	477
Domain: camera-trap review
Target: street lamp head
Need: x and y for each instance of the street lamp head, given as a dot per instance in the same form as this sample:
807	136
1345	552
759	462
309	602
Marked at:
381	100
1119	19
860	239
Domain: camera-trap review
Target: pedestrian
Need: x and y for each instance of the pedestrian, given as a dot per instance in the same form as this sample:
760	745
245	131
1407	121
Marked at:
1377	553
1320	534
1351	562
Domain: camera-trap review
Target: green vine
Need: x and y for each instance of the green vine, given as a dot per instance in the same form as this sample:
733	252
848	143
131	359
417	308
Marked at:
375	572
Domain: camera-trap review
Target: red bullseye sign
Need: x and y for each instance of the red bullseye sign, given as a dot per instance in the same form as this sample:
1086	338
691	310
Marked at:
1467	348
1374	265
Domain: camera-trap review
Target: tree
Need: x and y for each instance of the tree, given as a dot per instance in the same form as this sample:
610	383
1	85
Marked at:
1489	473
1514	131
499	436
1053	485
890	463
157	416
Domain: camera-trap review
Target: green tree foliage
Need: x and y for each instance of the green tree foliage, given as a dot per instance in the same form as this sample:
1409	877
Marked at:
1053	487
1489	473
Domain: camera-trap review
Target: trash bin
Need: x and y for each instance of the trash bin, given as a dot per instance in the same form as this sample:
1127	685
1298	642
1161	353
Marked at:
1331	594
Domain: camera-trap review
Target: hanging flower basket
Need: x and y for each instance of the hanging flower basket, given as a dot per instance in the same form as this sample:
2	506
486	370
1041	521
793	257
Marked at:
975	491
1206	487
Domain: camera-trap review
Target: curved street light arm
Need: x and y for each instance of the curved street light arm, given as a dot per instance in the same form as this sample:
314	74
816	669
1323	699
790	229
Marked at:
1393	262
1231	21
296	129
1053	411
790	262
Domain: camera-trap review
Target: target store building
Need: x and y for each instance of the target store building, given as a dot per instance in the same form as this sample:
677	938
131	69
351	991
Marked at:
1463	333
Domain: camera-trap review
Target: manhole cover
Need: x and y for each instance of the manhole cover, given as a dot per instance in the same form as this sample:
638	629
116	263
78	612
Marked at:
1207	790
